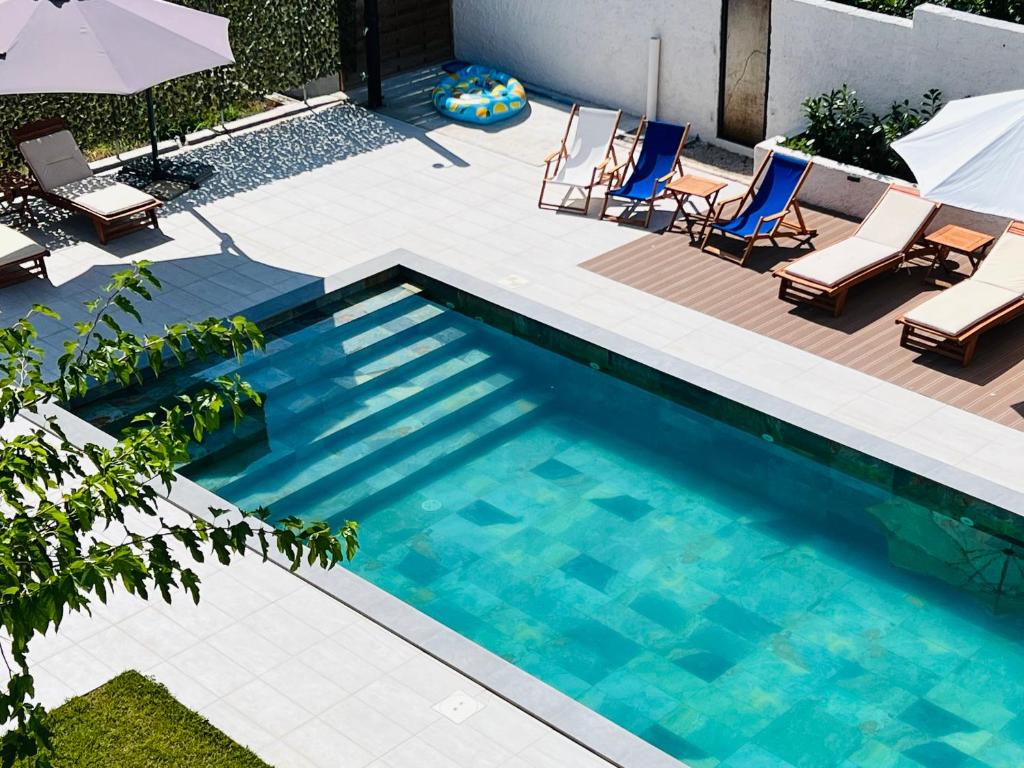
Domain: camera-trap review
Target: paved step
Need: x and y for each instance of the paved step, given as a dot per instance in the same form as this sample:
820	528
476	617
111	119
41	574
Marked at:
400	307
372	492
316	418
300	475
359	414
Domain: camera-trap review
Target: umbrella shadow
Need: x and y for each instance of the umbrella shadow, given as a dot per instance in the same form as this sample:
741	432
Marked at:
247	161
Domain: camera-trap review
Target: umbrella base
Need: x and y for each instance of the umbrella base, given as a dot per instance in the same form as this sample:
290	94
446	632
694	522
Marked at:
176	176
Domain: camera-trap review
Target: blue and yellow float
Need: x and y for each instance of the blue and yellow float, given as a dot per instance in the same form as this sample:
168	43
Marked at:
478	94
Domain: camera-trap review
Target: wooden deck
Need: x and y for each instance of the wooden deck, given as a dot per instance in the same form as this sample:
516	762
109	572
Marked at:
865	337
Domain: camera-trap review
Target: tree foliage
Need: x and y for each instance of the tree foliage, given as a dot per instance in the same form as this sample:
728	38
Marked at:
83	521
1005	10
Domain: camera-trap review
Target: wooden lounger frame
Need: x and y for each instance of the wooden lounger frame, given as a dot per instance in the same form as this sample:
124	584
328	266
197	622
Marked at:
25	269
617	177
921	338
801	291
779	222
107	227
598	175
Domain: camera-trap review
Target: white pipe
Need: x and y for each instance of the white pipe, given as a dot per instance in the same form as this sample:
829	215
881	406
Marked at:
653	71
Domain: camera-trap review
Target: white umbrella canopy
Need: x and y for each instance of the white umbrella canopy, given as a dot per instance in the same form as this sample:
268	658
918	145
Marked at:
105	46
971	154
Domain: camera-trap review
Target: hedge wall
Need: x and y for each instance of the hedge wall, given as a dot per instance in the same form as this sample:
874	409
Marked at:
278	44
1004	10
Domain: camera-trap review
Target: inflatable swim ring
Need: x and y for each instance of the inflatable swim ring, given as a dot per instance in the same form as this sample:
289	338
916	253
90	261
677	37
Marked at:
478	94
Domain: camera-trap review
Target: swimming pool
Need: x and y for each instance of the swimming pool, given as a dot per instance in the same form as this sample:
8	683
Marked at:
726	597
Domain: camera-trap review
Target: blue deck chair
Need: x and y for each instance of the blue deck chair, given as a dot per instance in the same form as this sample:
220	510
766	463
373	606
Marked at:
762	211
660	160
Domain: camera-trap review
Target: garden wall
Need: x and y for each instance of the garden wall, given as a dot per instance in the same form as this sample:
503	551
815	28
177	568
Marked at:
597	50
818	45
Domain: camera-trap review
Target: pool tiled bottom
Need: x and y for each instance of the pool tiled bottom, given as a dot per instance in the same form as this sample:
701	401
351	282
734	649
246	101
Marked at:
727	627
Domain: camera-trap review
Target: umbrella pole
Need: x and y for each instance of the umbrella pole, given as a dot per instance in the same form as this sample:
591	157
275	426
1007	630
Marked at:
151	115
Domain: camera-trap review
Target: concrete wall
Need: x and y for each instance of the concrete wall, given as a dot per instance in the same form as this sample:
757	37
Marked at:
818	45
596	50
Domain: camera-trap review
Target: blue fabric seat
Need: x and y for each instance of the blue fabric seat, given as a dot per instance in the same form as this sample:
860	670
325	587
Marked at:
782	177
659	157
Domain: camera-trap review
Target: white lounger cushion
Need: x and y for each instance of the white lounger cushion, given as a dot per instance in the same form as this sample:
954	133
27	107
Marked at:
895	220
587	146
831	265
55	160
16	247
958	308
888	230
104	196
997	283
1004	265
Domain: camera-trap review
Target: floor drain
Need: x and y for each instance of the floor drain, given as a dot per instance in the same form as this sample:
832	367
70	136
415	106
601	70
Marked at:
430	505
458	707
595	366
967	521
767	438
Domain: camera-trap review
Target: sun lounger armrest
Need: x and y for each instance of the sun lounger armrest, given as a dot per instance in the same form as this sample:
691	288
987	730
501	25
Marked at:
667	177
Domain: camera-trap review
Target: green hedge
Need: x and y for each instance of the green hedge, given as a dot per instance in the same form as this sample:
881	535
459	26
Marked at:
278	44
1006	10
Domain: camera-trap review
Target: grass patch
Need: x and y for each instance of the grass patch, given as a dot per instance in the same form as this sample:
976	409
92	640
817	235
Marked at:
133	722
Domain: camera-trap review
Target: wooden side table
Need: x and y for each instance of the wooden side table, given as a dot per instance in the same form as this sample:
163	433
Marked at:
687	187
953	239
14	191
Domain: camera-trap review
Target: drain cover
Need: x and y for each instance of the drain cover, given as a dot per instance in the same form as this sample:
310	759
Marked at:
430	505
458	707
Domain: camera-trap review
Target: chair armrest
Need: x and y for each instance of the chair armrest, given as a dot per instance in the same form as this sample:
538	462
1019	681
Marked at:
774	216
720	209
557	153
667	177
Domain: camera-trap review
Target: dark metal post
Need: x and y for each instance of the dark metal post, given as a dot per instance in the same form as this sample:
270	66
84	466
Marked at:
151	114
374	87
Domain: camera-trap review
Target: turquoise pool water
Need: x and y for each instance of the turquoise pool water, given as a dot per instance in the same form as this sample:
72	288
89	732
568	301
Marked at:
724	598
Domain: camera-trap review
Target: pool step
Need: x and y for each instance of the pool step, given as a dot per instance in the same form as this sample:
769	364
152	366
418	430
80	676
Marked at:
400	307
371	493
294	434
297	476
286	361
320	419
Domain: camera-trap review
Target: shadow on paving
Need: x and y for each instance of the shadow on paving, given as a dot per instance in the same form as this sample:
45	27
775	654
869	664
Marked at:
245	162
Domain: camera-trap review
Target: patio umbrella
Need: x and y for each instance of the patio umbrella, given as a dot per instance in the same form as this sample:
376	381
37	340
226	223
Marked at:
971	154
119	47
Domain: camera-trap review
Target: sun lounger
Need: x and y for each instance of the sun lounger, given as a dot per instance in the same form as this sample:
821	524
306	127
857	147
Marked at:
585	156
659	161
765	209
21	257
63	177
824	278
951	322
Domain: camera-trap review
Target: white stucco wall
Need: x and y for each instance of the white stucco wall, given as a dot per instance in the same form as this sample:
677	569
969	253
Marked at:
596	50
818	45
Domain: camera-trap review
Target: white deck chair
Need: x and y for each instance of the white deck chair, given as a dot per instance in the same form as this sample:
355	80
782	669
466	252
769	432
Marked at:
585	154
951	322
824	278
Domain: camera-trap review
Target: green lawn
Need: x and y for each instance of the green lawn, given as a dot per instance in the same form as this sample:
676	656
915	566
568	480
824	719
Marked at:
133	722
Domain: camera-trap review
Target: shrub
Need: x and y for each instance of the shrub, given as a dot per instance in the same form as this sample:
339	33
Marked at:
841	129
